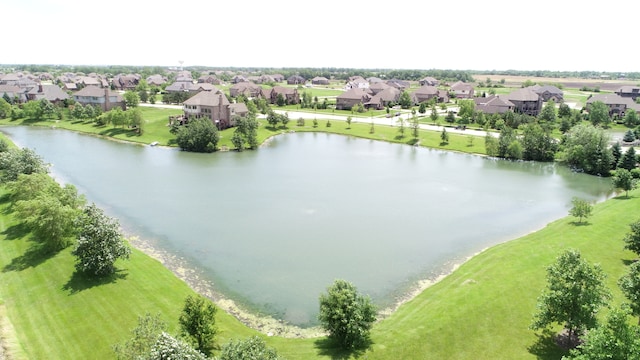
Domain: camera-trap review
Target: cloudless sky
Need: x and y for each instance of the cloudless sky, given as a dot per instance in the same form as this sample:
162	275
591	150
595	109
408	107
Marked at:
562	35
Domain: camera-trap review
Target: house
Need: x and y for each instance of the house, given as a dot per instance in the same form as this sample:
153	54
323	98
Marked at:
617	104
14	93
525	101
96	96
209	79
156	80
383	98
632	92
431	81
246	88
296	80
125	82
493	105
351	98
210	105
399	84
179	86
377	87
236	79
277	77
425	93
238	109
53	93
548	92
462	90
289	94
320	80
356	82
374	80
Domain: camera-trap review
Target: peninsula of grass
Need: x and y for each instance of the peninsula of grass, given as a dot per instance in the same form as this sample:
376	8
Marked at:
482	310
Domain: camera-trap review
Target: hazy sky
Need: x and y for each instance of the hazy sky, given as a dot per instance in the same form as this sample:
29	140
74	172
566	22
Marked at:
463	34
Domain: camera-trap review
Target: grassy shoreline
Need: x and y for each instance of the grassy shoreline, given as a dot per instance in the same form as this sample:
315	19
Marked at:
481	309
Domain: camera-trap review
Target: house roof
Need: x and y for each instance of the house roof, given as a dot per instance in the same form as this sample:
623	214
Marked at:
354	94
547	88
284	90
239	108
627	89
611	99
493	104
379	86
426	90
207	98
461	86
95	91
388	95
319	78
523	94
51	93
241	86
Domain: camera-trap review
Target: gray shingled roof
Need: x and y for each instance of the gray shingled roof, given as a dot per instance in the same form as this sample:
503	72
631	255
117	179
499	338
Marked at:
207	98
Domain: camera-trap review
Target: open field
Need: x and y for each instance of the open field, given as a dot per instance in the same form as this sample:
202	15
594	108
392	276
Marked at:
576	83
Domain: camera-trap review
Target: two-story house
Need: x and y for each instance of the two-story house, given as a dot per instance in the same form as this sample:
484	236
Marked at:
525	101
104	98
211	105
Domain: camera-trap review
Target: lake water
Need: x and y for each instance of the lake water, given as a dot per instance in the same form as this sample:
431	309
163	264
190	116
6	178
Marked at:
273	228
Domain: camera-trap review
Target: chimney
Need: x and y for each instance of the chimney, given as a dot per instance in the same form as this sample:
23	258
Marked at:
106	99
40	89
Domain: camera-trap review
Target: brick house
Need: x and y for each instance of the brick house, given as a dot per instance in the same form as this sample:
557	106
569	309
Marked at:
525	101
296	80
617	104
462	90
211	105
351	98
104	98
289	94
632	92
246	88
493	105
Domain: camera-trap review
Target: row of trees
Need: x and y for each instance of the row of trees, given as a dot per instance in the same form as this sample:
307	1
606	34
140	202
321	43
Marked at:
57	216
574	294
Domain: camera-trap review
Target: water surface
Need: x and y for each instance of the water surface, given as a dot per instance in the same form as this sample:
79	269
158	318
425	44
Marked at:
273	228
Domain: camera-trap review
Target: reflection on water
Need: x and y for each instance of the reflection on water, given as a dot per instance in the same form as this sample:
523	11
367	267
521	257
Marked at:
273	228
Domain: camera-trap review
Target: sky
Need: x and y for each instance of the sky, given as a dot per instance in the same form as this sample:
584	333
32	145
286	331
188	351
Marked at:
559	35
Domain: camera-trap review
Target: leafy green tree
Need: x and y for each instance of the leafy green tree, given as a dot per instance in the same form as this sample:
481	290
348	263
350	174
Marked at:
415	128
237	140
32	110
280	100
599	113
444	136
100	243
306	100
630	285
273	119
346	315
405	100
623	179
467	110
349	119
14	162
48	109
199	135
514	150
631	118
564	111
548	112
284	119
434	113
250	348
575	292
49	214
78	112
5	108
586	148
247	129
492	145
167	347
198	323
506	139
450	118
629	136
538	143
143	337
135	119
632	239
422	108
131	98
143	95
628	160
401	128
7	98
616	153
614	340
580	208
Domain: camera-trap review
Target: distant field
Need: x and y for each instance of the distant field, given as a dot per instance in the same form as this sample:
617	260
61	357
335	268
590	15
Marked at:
516	81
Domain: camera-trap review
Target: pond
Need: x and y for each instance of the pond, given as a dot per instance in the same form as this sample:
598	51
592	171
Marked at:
273	228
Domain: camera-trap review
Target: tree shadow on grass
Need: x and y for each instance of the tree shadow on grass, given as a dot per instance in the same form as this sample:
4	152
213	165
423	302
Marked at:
580	223
628	262
16	231
546	347
329	347
35	255
80	281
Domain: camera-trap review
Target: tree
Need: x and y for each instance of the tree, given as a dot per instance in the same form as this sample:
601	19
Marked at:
630	285
450	118
199	135
48	110
280	100
237	140
48	210
415	127
444	136
629	136
581	208
586	148
131	98
628	160
401	127
251	348
599	113
631	118
564	110
284	119
548	112
623	179
198	323
349	122
246	130
5	108
538	143
143	337
467	109
78	111
575	292
632	239
100	243
491	144
422	108
20	161
346	315
616	153
32	110
273	119
434	113
143	95
135	119
167	347
405	100
615	340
